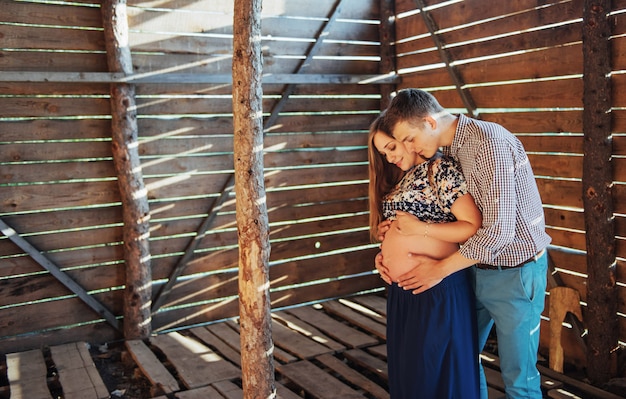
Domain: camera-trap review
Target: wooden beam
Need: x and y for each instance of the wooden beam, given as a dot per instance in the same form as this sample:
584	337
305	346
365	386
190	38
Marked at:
602	299
135	208
257	360
59	274
188	78
467	99
387	37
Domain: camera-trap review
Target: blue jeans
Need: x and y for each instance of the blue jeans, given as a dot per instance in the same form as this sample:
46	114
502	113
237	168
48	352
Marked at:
513	299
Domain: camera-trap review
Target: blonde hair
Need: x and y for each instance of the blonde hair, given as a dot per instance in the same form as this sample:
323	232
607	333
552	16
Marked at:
383	176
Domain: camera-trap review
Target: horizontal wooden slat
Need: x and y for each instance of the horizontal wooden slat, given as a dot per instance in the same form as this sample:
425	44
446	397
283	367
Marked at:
54	61
48	38
543	94
560	192
472	10
322	77
54	107
293	7
81	129
569	239
52	196
567	219
51	14
542	122
542	63
55	315
553	143
560	165
517	20
84	249
159	28
50	151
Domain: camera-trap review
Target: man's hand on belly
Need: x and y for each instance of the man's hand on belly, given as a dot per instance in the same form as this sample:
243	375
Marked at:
426	274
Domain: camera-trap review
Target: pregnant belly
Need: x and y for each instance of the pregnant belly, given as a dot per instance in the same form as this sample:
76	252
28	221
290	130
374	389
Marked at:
396	248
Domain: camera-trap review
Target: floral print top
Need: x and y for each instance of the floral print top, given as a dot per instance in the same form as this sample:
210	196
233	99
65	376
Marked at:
428	198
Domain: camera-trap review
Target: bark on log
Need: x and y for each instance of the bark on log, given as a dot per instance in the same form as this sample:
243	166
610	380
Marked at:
135	209
387	48
601	317
257	363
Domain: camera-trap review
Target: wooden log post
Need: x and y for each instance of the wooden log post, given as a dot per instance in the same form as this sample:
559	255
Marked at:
257	364
135	209
387	37
601	317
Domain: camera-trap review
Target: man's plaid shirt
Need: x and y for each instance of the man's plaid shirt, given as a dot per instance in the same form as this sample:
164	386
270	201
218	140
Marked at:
501	180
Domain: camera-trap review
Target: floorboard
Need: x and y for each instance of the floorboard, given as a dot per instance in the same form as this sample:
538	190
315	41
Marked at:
330	350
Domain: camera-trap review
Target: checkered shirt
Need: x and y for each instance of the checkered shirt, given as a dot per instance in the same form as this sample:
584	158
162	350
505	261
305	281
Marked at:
500	178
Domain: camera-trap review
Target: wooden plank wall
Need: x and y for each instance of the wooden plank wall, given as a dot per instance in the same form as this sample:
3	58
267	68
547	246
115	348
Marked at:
58	185
521	62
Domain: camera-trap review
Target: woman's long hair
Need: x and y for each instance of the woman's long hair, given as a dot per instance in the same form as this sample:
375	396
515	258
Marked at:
383	176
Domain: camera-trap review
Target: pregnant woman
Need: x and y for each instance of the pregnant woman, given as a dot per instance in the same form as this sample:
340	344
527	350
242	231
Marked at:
424	207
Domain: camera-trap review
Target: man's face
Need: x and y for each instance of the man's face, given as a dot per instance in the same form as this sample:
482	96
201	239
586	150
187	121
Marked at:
421	140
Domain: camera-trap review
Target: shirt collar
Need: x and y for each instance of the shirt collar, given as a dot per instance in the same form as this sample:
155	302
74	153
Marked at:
459	135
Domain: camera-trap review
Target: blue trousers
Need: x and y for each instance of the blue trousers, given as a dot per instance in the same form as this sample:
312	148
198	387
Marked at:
513	299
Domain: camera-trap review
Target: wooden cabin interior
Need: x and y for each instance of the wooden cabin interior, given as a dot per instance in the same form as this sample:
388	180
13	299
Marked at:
120	146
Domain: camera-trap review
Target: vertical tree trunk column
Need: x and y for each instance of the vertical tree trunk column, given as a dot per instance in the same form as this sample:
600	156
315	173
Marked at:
252	223
601	317
138	293
387	36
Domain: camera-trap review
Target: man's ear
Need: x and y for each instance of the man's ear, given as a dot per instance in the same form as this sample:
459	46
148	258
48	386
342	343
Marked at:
430	121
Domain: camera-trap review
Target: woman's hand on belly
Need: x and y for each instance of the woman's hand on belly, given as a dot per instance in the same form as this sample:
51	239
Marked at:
397	250
382	269
407	223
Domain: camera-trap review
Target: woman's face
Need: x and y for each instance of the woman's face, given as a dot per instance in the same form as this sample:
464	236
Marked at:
394	151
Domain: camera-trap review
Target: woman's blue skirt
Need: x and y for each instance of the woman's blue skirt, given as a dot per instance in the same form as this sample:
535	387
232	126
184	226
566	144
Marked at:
432	343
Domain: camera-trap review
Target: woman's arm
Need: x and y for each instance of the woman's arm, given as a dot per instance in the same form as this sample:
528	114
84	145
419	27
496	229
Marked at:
469	220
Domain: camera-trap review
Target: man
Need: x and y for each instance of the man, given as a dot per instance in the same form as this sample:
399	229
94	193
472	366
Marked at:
508	251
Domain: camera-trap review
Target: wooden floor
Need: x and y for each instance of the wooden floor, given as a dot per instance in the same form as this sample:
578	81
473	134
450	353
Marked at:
328	351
